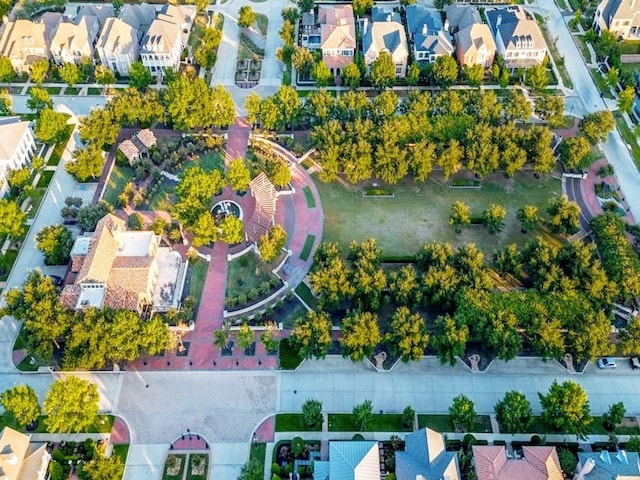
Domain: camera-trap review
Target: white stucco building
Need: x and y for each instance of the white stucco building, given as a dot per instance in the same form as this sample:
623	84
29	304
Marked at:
17	146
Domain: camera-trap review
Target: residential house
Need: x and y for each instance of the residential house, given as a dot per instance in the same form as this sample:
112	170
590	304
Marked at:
537	463
475	45
425	457
604	465
461	16
337	36
100	11
164	41
123	269
20	459
385	33
24	42
73	41
518	38
429	36
351	460
138	146
621	17
17	146
117	46
138	16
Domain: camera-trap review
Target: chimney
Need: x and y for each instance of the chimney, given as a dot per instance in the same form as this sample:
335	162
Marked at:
424	28
499	21
388	17
446	25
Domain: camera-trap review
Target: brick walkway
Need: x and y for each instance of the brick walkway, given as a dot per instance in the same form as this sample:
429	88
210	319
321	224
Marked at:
119	432
237	140
266	430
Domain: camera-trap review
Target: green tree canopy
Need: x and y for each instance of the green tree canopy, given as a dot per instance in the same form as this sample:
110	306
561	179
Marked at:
575	153
139	76
321	74
360	335
238	175
50	126
383	71
460	215
312	334
246	16
565	408
463	413
312	413
445	71
408	335
514	413
351	75
89	215
55	242
21	404
449	340
596	126
564	216
104	76
71	405
7	73
528	217
101	468
39	99
363	415
87	163
39	71
271	243
493	217
70	73
12	218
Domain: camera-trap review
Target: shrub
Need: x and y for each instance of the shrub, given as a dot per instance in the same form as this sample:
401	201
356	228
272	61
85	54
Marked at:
468	440
536	440
275	468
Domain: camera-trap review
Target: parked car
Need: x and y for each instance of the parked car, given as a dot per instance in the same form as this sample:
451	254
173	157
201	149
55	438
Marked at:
635	363
58	281
606	362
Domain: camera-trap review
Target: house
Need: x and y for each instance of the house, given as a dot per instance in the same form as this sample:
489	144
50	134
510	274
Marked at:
518	38
337	36
461	16
621	17
351	460
475	45
117	46
425	457
73	41
537	463
429	36
24	42
385	33
163	43
17	146
604	465
101	12
138	16
138	146
123	269
20	459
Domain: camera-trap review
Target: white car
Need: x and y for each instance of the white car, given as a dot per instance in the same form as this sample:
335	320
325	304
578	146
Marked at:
606	362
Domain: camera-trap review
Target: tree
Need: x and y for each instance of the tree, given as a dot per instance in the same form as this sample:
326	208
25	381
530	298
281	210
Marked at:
101	468
493	217
312	413
449	340
408	417
463	413
528	217
252	470
596	126
351	76
19	179
321	74
514	413
51	126
206	53
221	337
360	335
231	230
629	337
87	163
312	334
271	243
71	405
575	153
361	6
383	71
139	76
70	73
363	415
21	405
12	218
507	259
238	175
474	74
445	71
614	416
565	408
39	71
246	16
100	127
413	74
290	13
551	109
245	336
7	73
460	215
288	104
537	76
633	444
104	76
564	216
612	78
568	462
5	103
39	99
626	99
303	61
117	6
89	215
408	335
55	242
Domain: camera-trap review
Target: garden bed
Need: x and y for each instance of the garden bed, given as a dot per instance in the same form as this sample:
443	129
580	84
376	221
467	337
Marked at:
378	192
249	279
174	466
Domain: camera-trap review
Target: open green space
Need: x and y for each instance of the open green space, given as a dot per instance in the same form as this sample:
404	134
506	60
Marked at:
162	199
247	273
197	29
198	276
308	245
629	138
630	67
122	451
419	213
629	47
94	91
443	423
58	149
293	422
306	295
120	176
289	319
210	161
174	467
384	422
247	50
308	195
103	424
36	197
72	91
45	178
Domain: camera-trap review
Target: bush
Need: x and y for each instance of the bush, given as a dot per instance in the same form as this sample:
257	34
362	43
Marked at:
468	440
288	355
275	468
297	446
357	437
536	440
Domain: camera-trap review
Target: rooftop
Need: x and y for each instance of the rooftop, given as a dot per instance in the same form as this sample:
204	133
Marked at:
135	244
11	131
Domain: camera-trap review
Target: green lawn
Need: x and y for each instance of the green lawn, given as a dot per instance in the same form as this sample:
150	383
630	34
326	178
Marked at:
121	451
289	320
58	149
305	294
197	459
419	213
162	200
629	137
198	276
629	47
386	422
94	91
308	195
308	245
36	200
601	84
630	67
120	176
442	423
72	91
197	29
292	422
45	178
262	23
259	452
246	273
211	161
173	458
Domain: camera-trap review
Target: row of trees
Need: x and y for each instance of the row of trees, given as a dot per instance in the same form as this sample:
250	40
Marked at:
91	338
389	139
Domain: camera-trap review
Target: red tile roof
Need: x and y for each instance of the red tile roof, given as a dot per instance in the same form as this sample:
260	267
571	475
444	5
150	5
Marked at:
539	463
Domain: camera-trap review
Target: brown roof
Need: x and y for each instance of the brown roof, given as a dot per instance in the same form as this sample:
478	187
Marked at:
129	149
146	137
337	27
13	448
103	248
539	463
473	37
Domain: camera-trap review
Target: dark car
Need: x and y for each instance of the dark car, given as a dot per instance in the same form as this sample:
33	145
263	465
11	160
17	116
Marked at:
58	281
635	363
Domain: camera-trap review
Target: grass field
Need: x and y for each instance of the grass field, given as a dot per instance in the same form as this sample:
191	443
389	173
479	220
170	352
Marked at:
246	273
198	277
119	177
211	161
293	422
308	195
419	212
385	422
629	137
308	245
442	423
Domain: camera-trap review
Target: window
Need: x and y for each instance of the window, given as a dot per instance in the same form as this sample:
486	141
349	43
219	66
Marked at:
346	53
398	69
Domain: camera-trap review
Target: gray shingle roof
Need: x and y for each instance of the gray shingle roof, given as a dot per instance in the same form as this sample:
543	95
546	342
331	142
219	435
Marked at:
418	17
